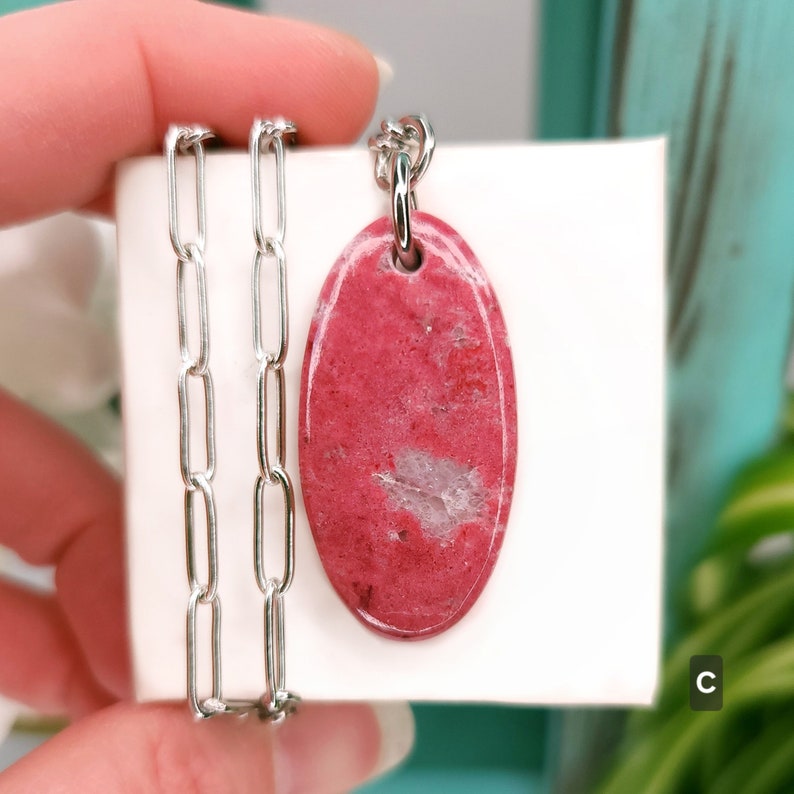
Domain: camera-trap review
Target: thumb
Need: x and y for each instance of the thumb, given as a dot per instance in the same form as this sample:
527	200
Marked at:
161	748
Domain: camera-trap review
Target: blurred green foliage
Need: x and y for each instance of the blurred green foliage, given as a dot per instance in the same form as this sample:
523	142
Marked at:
739	604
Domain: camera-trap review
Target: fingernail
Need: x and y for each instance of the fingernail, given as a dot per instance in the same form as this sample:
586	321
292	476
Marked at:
385	72
397	730
335	747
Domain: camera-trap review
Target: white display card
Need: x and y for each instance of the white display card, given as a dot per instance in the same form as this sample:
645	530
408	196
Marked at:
572	237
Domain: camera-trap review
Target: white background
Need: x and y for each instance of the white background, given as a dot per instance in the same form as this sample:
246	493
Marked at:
571	236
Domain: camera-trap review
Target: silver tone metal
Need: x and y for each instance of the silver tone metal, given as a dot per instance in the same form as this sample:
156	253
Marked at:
412	134
274	647
276	250
268	461
288	495
405	248
269	135
195	258
208	591
213	704
197	482
266	138
188	472
183	140
403	151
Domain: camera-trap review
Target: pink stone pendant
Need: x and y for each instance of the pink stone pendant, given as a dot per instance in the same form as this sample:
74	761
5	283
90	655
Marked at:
408	430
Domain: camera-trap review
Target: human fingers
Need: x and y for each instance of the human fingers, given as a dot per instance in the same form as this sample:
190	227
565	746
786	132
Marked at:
42	664
87	83
157	749
62	507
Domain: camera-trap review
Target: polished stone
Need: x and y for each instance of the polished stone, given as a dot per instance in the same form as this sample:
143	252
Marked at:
408	430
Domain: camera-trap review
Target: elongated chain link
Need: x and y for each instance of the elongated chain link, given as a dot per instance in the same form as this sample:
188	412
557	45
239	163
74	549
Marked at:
268	137
197	479
199	495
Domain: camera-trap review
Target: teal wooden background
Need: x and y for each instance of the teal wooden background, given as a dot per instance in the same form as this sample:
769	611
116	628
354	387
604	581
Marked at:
714	76
571	68
717	78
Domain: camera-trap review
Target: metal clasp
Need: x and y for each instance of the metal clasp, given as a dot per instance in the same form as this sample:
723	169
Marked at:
403	150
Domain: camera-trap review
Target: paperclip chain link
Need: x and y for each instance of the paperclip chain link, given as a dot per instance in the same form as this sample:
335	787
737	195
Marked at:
199	495
195	366
268	137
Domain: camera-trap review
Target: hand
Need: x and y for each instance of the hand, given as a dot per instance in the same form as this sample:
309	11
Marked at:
83	85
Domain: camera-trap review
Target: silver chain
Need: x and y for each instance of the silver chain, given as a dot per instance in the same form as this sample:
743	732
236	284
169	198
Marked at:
277	702
196	366
268	137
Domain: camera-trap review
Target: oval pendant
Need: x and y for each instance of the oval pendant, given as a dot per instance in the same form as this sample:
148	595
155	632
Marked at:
407	431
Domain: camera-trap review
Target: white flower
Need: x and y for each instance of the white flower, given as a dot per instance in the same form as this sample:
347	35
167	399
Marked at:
58	347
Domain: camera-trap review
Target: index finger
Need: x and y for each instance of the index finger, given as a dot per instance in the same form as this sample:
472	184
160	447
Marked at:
84	84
